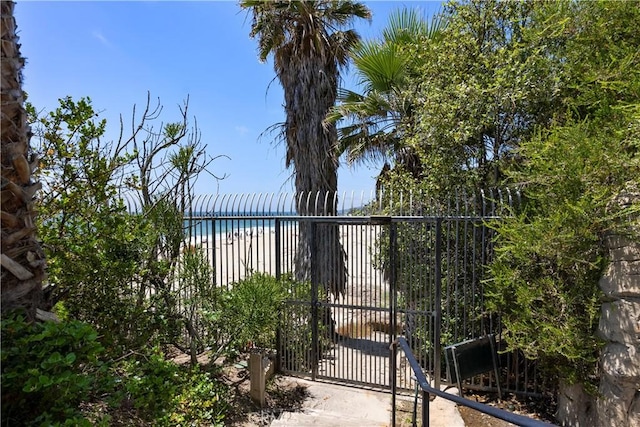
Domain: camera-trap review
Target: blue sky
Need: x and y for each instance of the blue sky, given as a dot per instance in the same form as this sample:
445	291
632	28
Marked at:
115	52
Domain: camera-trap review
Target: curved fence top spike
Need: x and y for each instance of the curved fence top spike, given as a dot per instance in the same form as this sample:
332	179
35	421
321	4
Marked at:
309	195
307	203
268	205
250	198
246	198
483	201
233	204
325	209
224	204
211	207
215	204
316	208
334	202
259	211
352	201
198	203
282	198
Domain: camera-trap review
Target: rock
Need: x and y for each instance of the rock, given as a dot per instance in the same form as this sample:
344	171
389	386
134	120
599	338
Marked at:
576	408
621	279
620	321
621	361
616	397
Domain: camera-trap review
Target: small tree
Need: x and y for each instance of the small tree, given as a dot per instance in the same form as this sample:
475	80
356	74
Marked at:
112	218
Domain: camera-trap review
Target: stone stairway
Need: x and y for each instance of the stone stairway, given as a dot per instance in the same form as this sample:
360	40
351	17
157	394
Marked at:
333	405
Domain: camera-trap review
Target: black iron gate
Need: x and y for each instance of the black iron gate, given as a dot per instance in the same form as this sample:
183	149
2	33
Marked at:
343	337
395	285
418	273
420	277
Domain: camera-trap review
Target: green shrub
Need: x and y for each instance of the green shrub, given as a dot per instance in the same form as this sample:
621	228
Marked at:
549	255
202	400
48	369
250	311
167	394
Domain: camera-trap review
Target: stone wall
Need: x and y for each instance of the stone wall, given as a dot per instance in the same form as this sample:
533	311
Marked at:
619	394
618	402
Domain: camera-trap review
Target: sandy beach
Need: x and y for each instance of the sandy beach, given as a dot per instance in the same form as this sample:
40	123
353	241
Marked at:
240	252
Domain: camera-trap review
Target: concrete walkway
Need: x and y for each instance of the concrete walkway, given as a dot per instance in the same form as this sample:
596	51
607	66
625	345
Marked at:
335	405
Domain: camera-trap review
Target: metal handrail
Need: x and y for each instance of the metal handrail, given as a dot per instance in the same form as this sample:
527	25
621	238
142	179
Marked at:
427	390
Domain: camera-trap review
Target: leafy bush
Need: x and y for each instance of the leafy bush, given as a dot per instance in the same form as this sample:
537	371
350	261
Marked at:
549	255
250	312
47	370
167	394
202	400
96	249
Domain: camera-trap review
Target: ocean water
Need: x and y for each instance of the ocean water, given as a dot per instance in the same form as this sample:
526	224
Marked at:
208	227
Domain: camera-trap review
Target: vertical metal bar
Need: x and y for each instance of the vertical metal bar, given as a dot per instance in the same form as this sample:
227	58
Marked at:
425	407
214	249
393	298
314	305
392	378
438	305
393	294
278	249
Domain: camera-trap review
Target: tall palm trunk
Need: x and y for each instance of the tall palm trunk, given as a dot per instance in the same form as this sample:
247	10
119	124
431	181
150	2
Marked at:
23	265
309	48
310	90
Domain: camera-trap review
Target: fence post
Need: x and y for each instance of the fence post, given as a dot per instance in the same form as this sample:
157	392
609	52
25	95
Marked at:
438	307
393	250
394	354
279	347
314	305
425	408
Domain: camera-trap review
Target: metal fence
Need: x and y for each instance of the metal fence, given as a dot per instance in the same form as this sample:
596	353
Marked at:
413	266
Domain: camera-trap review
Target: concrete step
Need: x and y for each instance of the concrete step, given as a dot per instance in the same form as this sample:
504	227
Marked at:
312	417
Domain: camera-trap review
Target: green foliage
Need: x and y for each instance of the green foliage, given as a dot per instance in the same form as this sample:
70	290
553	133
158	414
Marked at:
481	89
47	370
200	299
250	311
550	255
167	394
97	250
543	96
203	400
371	121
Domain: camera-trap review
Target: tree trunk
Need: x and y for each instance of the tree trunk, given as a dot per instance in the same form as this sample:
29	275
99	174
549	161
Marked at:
310	88
23	265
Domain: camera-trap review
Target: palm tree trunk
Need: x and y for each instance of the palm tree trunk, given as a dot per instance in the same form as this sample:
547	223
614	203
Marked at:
311	149
23	264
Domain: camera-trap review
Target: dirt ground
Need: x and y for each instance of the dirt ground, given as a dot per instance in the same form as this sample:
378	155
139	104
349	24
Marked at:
283	394
536	409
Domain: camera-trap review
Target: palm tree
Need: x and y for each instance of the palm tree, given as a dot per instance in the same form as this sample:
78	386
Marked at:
23	266
309	49
372	121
